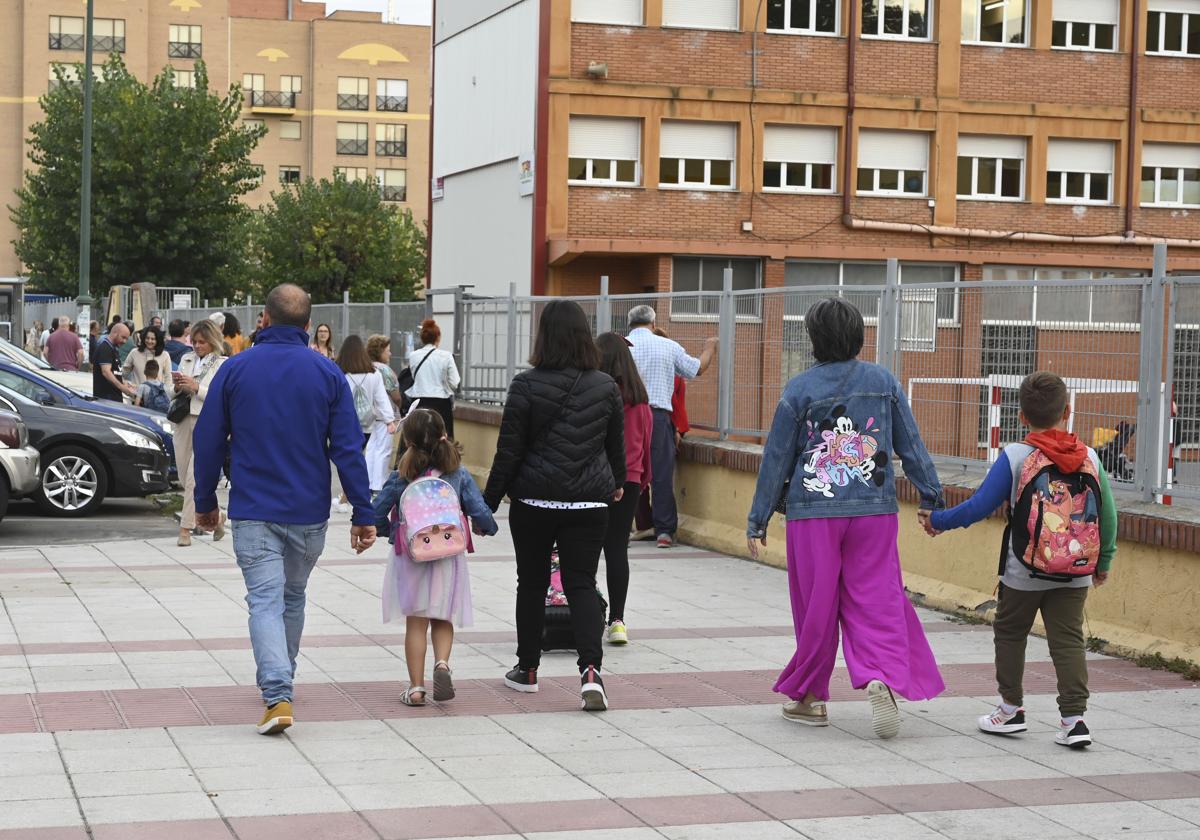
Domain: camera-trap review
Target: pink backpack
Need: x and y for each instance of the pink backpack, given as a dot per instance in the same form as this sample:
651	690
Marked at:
1054	527
432	521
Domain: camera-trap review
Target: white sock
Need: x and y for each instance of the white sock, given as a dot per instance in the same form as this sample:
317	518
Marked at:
1072	720
1008	708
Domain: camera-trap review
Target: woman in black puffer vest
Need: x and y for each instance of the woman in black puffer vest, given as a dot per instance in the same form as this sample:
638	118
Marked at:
560	459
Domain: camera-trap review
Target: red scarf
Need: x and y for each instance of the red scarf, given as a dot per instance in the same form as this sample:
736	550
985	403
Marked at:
1063	448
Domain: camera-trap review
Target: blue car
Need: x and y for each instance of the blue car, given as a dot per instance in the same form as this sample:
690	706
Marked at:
45	391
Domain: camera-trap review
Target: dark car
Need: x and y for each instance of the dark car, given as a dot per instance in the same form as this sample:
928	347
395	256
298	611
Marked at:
38	387
87	455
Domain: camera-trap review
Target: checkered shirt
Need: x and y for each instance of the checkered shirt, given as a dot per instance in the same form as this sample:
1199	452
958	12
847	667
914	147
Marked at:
659	360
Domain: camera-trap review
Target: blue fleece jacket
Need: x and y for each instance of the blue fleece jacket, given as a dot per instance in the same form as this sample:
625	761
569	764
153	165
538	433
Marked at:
283	412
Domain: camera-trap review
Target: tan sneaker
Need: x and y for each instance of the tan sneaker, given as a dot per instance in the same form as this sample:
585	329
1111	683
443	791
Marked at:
810	714
277	718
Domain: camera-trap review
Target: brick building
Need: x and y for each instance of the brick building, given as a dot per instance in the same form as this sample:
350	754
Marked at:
344	91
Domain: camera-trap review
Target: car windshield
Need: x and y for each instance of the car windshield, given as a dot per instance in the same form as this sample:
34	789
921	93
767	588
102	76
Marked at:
27	359
14	397
27	387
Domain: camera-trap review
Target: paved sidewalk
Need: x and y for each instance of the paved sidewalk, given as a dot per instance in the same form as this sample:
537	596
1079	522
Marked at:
127	697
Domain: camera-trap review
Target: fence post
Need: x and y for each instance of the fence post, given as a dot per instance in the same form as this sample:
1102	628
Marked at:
1166	446
462	340
887	336
1150	373
510	366
726	329
603	308
387	313
345	313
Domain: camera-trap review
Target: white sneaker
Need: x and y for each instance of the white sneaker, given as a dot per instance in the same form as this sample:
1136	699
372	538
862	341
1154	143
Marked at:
1076	736
1001	723
885	714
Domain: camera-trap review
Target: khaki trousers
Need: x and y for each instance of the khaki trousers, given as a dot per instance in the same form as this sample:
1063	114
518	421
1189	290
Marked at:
1062	615
186	469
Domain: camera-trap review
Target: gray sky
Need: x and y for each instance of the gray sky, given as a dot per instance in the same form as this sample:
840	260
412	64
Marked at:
410	11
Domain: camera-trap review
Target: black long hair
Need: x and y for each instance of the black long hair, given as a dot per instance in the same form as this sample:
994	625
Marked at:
835	328
617	362
159	339
564	338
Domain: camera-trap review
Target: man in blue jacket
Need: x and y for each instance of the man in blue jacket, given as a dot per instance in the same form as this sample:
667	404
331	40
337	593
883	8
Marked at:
283	412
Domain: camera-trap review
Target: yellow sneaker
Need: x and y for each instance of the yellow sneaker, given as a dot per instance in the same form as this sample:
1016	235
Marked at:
277	718
617	634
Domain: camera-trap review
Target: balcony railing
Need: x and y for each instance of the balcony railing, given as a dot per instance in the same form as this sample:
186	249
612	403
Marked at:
66	42
392	193
184	49
391	103
391	148
353	102
108	43
281	99
352	147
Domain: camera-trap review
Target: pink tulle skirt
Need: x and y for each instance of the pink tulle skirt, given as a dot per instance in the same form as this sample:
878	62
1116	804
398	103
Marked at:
438	589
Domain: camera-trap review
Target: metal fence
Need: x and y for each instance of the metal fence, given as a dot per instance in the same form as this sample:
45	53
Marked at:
1128	350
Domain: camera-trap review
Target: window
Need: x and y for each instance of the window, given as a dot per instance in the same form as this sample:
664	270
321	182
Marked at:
184	41
289	130
896	18
108	35
1079	171
799	158
892	162
392	184
352	138
254	82
289	174
351	173
352	93
66	33
627	12
391	140
291	84
1064	298
707	274
391	94
1173	27
995	22
253	124
70	74
1187	385
1170	175
184	78
991	168
697	155
846	276
810	17
26	388
1085	24
701	14
604	151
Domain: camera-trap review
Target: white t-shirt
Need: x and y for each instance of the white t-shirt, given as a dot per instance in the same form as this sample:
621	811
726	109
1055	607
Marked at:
437	378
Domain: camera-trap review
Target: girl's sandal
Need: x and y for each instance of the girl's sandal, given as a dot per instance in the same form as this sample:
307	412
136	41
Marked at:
443	682
408	699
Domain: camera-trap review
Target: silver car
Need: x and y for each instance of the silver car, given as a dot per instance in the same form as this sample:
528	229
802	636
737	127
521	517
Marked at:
19	459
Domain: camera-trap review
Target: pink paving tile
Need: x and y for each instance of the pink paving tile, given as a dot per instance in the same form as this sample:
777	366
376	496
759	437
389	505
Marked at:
414	823
61	711
227	704
952	796
567	816
1150	785
813	804
313	826
11	650
68	647
43	834
157	707
692	810
175	830
154	645
1031	792
17	714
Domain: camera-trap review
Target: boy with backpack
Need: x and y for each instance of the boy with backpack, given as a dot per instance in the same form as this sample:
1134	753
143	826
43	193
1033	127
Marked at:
1061	538
152	394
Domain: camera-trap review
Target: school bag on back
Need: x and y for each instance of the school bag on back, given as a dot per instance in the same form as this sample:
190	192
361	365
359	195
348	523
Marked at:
432	519
1054	527
363	406
157	400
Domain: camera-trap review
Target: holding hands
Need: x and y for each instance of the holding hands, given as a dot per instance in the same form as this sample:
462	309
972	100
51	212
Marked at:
925	517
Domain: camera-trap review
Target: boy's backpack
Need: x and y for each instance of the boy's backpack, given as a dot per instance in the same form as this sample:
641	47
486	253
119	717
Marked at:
432	519
157	400
557	632
1054	527
364	407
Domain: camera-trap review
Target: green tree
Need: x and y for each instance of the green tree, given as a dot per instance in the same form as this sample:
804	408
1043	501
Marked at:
168	168
334	236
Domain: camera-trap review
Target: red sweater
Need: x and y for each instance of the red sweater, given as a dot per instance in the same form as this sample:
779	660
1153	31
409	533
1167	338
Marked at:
679	406
639	424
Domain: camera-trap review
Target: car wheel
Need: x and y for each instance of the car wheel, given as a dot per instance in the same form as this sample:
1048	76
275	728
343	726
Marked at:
74	482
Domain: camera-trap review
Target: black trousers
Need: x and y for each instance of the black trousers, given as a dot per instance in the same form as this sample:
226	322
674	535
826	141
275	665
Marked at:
579	535
443	406
616	549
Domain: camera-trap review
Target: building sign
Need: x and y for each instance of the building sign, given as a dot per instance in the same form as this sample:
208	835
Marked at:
181	301
525	174
438	190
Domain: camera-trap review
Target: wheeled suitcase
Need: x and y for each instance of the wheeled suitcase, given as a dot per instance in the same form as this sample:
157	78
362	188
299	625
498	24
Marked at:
557	633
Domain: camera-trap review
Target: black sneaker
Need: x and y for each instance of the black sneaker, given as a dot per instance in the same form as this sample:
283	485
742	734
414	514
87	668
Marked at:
591	691
1076	737
522	679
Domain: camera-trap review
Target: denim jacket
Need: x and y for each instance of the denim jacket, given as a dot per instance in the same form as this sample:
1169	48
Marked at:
836	430
468	495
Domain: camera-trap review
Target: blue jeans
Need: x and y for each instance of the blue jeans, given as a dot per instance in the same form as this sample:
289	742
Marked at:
276	560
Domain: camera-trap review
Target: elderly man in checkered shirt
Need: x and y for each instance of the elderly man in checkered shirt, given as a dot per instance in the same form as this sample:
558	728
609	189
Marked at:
659	360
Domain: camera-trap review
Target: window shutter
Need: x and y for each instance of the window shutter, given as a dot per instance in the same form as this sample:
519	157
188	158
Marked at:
1186	6
1171	155
625	12
918	320
602	138
698	140
978	145
1088	11
701	14
893	149
800	144
1080	156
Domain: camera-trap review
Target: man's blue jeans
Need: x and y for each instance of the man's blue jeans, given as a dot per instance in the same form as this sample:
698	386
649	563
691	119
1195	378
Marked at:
276	560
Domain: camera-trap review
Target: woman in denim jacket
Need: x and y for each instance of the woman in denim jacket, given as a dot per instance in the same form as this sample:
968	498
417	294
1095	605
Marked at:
830	452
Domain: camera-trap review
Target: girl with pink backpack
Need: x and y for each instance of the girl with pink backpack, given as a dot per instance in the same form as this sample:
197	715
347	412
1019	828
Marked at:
424	508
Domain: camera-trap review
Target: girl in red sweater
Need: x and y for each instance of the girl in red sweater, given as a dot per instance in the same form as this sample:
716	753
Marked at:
618	363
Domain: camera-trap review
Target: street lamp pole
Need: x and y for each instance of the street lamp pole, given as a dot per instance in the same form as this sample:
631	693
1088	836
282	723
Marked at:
84	301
